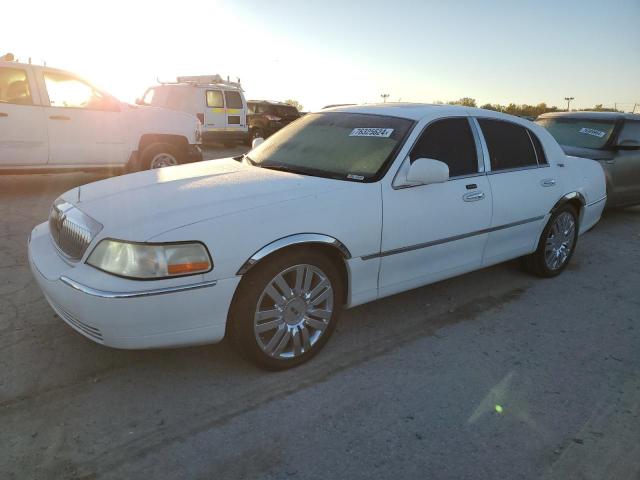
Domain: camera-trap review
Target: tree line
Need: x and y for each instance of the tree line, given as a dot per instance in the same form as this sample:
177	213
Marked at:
523	110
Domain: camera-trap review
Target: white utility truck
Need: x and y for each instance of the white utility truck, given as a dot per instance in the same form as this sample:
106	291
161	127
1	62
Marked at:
54	120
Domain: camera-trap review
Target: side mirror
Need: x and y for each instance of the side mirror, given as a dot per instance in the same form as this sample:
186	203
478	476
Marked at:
628	144
139	101
257	142
426	171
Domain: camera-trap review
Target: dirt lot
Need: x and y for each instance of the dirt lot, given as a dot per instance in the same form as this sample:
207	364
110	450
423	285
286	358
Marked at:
492	375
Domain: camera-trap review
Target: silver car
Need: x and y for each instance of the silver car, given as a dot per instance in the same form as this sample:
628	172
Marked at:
611	138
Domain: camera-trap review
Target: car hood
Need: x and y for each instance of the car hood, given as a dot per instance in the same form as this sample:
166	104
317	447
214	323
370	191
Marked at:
591	153
142	205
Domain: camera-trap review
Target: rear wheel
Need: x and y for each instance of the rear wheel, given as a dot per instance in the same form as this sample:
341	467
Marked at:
286	309
556	245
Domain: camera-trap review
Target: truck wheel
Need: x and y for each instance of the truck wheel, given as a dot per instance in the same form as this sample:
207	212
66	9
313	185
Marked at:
159	155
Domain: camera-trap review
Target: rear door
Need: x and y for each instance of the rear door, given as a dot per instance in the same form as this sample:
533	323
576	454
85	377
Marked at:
236	112
523	185
85	126
23	130
215	116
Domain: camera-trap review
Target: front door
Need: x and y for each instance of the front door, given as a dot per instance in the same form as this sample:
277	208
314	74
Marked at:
431	232
23	130
84	125
625	166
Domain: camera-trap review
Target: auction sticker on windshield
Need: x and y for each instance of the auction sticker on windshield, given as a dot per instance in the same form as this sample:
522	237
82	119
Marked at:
371	132
593	132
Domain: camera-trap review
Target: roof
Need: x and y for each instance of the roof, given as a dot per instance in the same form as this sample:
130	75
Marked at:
417	111
270	102
593	115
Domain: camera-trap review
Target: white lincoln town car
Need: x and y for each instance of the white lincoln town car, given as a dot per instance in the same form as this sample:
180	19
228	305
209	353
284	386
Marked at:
340	208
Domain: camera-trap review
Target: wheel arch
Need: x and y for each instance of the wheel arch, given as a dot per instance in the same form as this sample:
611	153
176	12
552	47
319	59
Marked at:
149	139
332	247
575	199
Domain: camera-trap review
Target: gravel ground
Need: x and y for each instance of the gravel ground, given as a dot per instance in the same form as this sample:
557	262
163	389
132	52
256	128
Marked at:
494	374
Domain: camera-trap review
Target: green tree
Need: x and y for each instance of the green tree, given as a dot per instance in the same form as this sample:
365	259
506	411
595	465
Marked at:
294	103
465	102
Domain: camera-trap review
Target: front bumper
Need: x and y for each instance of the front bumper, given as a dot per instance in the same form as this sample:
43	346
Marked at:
194	153
130	314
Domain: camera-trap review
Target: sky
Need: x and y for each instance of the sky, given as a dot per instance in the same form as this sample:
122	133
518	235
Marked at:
332	51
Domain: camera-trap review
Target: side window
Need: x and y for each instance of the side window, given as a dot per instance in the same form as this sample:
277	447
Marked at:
542	158
630	131
509	144
69	92
14	86
234	100
450	141
214	99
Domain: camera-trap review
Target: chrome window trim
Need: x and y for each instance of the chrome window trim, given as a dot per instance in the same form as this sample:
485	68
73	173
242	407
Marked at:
94	292
485	149
433	243
517	169
297	239
481	166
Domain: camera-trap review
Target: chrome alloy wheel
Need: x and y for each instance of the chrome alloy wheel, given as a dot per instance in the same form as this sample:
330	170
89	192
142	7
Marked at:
293	311
163	160
560	241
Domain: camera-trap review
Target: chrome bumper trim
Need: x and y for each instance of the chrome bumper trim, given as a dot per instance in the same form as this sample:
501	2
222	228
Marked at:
145	293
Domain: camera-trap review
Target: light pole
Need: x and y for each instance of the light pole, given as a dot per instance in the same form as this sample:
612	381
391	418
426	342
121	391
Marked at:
568	99
384	97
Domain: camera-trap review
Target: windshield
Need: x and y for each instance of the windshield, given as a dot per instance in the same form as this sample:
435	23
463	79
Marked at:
578	132
349	146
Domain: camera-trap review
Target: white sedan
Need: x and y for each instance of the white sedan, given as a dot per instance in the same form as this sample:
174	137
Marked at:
340	208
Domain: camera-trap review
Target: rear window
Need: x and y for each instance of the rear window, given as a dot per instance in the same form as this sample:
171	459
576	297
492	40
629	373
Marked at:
510	145
578	132
14	86
234	100
214	99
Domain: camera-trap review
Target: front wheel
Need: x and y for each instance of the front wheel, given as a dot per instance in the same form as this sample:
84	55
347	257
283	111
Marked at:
286	309
556	245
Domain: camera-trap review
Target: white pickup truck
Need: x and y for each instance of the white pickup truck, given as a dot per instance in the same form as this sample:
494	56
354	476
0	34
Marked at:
55	120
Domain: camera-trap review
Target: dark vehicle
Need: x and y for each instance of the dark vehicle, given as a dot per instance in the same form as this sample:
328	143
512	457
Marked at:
611	138
266	118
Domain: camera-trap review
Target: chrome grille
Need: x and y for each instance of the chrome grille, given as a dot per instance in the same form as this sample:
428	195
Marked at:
71	230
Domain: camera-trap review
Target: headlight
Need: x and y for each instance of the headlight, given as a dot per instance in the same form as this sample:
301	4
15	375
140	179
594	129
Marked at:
149	261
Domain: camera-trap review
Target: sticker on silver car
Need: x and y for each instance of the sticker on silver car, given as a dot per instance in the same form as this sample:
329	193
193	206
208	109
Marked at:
371	132
593	132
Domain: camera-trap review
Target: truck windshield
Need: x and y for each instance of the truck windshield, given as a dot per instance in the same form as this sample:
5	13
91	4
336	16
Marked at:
578	132
348	146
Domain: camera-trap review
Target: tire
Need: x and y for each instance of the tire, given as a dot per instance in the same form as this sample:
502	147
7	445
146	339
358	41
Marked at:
154	154
270	342
556	245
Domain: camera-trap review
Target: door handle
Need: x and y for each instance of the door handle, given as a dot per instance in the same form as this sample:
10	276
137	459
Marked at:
548	182
2	114
59	117
473	196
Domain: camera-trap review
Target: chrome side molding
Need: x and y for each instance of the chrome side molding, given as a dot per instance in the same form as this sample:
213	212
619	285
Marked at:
297	239
143	293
